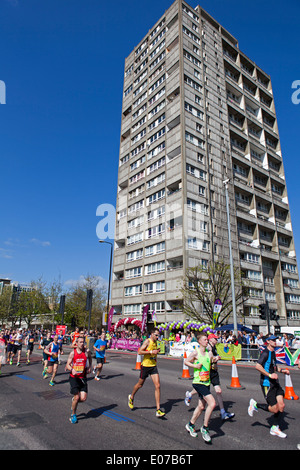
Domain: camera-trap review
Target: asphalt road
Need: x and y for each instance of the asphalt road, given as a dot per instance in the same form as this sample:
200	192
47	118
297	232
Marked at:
35	416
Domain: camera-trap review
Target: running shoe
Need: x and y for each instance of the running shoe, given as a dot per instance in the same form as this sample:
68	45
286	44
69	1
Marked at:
18	364
227	416
252	407
188	397
10	362
73	419
97	378
275	431
130	402
191	429
160	414
51	383
205	434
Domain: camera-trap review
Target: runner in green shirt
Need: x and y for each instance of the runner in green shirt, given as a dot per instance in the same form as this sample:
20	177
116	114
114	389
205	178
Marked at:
200	359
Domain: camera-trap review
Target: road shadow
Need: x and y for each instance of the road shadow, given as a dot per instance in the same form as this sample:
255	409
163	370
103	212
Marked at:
96	412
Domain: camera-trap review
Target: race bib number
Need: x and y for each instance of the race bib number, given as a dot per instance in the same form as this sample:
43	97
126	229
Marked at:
204	376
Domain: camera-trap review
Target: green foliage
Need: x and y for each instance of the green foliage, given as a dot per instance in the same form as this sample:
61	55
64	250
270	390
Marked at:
40	303
203	285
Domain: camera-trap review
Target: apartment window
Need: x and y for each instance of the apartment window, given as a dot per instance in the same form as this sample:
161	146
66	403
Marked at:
158	307
291	268
155	268
194	111
133	290
128	90
156	165
133	309
135	222
155	249
155	181
134	255
155	197
154	287
134	272
194	140
155	231
292	298
254	275
250	258
136	238
157	96
157	121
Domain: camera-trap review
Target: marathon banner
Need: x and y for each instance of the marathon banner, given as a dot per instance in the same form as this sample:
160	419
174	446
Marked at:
228	351
126	344
110	315
62	328
144	318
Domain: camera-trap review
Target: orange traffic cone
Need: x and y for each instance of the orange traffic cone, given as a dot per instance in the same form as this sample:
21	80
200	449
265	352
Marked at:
185	369
235	383
138	362
289	391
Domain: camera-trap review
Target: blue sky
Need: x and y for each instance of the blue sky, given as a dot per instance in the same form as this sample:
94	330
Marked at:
62	62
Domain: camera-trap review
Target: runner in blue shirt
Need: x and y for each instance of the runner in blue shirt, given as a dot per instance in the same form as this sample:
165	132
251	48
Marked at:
52	351
270	385
100	346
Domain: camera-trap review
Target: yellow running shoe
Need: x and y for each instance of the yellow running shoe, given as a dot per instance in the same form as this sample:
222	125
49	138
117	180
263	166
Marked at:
130	402
160	413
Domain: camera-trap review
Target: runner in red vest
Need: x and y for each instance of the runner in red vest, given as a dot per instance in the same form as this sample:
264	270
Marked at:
79	364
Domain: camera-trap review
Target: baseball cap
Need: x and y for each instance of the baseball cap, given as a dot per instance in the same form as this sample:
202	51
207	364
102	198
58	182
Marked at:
272	337
212	335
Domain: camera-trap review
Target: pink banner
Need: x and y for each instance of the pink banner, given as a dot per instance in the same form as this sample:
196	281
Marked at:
144	318
123	343
110	315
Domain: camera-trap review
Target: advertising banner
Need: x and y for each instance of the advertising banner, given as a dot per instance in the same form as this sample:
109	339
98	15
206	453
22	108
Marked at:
126	344
227	351
62	328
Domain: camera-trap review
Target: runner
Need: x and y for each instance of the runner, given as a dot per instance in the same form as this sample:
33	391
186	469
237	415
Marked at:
100	347
215	380
44	343
3	343
271	388
30	344
201	360
77	365
60	342
52	351
149	350
18	345
74	336
11	347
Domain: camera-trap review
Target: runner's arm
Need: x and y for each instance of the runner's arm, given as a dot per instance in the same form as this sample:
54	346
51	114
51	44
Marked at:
260	369
189	361
143	348
69	365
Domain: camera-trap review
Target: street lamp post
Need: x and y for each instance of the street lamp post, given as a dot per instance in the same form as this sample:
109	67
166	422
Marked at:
109	277
231	260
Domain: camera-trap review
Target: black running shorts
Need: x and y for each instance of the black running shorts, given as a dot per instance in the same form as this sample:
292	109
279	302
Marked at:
146	371
271	393
77	385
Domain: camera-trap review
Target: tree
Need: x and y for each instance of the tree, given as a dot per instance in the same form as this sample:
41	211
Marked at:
202	286
5	304
32	302
76	302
